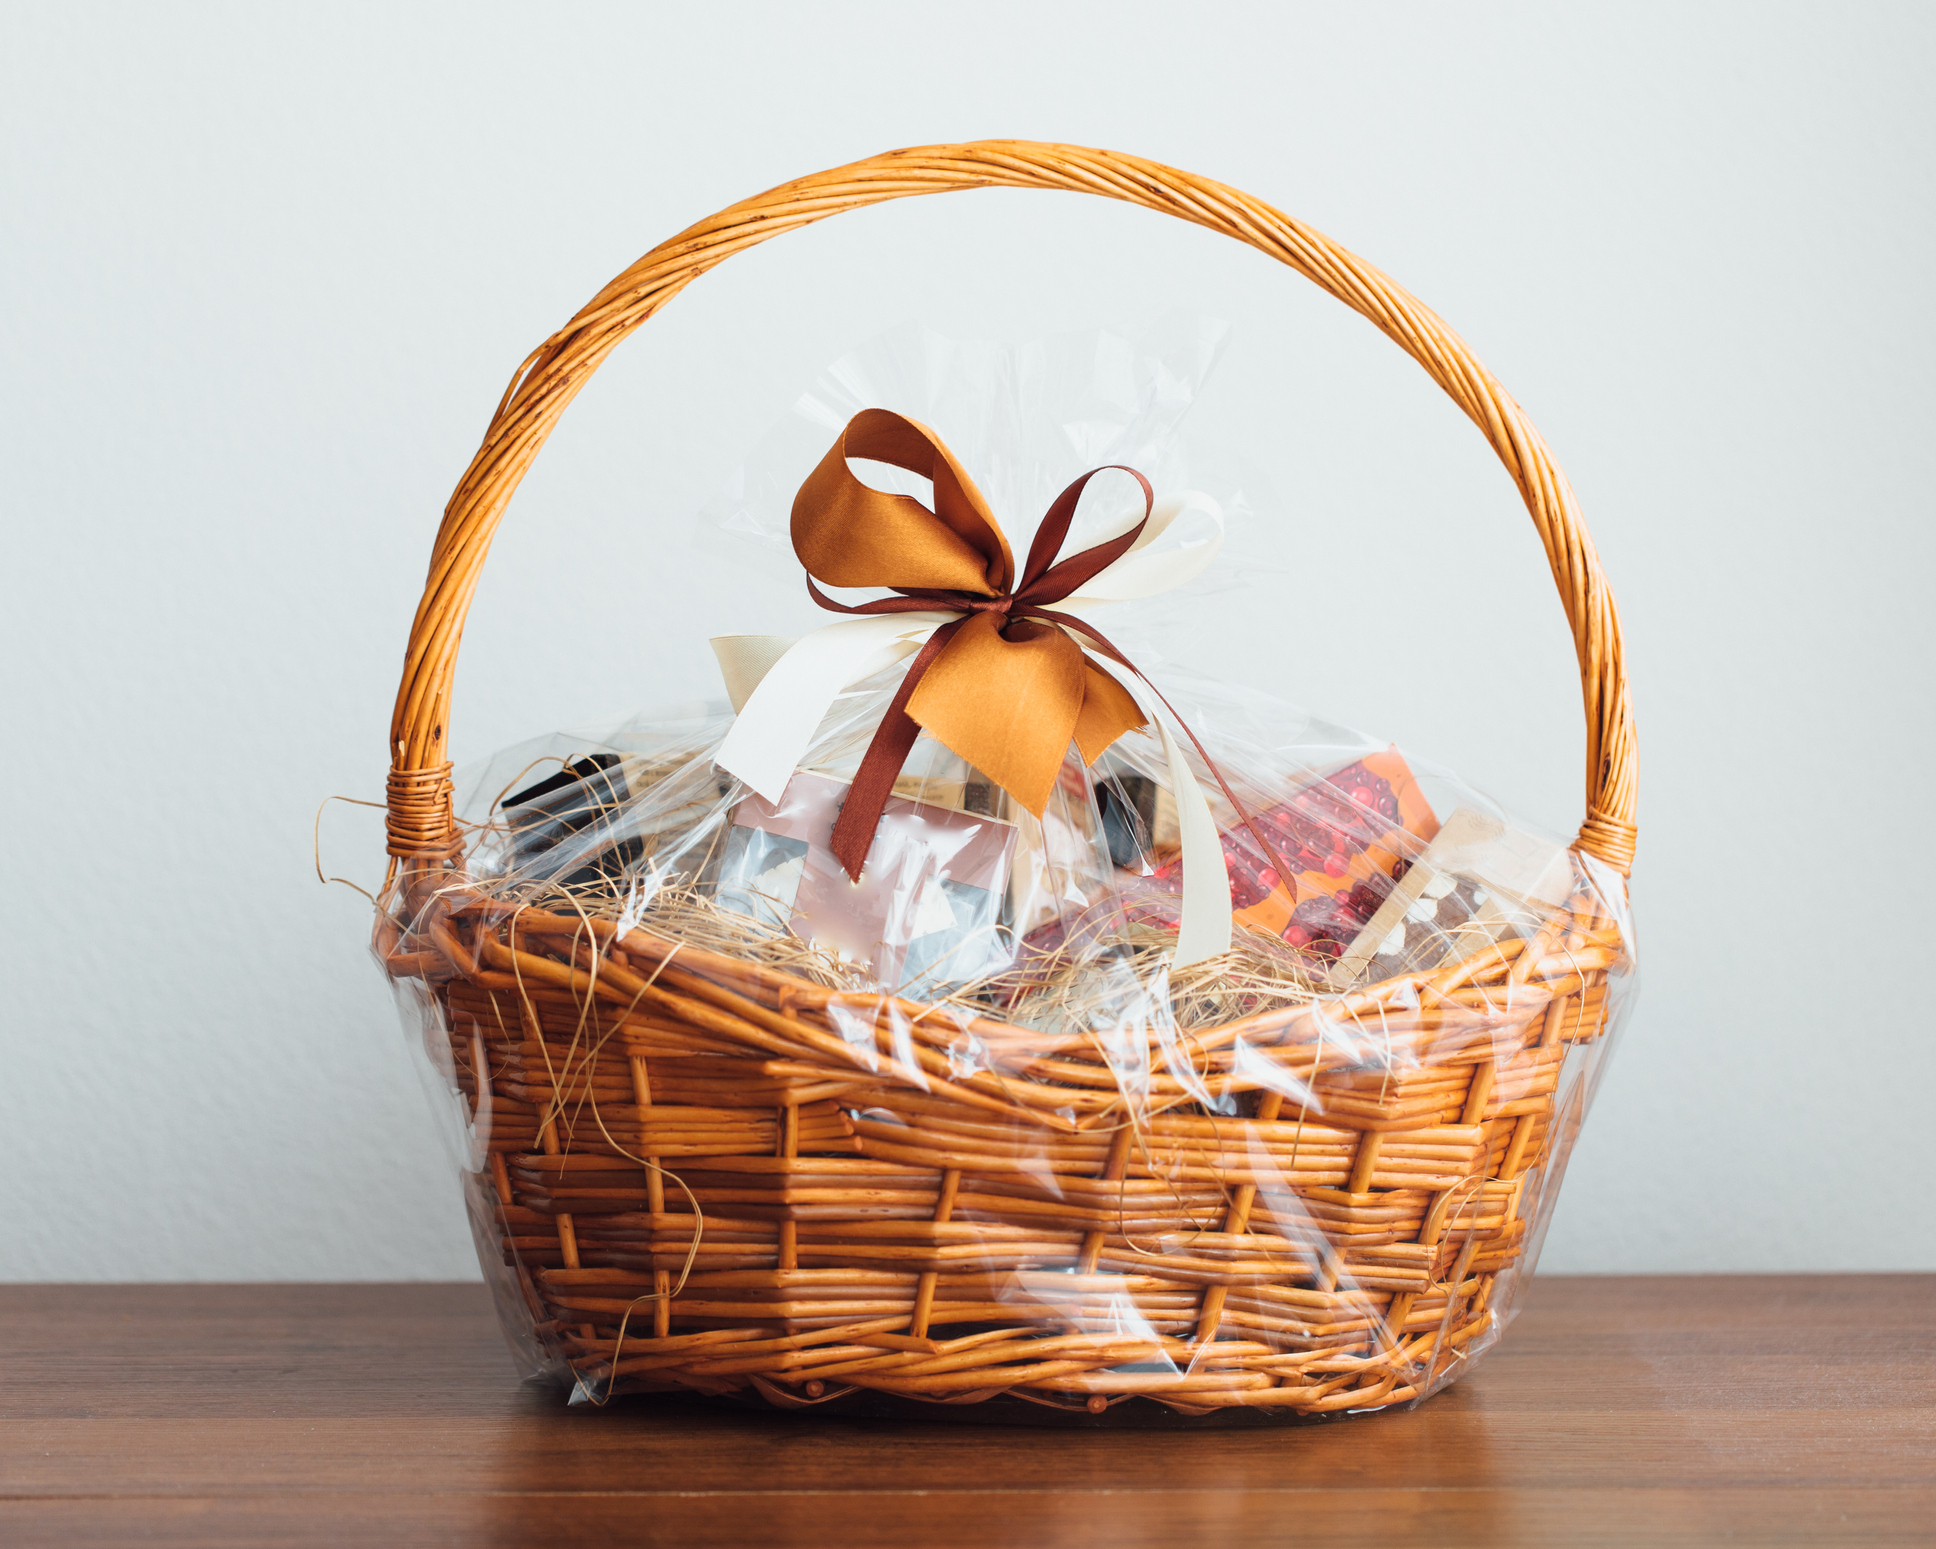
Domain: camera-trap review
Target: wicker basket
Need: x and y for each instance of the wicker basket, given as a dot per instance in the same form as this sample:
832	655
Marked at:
841	1255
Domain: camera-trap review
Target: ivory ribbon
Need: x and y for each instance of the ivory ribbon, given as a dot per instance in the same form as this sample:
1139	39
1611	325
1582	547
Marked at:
1004	672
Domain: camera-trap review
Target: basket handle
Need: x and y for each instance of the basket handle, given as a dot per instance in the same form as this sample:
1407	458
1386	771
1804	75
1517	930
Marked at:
421	822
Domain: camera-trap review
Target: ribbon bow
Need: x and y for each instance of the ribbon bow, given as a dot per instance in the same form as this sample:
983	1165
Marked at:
999	675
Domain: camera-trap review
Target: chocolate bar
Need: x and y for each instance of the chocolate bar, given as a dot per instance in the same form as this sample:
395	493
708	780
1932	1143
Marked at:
1477	881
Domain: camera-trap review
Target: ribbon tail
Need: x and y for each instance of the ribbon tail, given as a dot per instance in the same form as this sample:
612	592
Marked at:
777	724
1203	924
1098	646
1203	921
744	660
880	766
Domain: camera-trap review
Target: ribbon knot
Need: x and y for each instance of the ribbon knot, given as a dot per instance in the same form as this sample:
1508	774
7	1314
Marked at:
1001	675
1004	684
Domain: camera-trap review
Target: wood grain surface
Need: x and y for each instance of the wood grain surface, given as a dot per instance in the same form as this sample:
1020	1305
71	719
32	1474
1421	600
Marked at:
1697	1410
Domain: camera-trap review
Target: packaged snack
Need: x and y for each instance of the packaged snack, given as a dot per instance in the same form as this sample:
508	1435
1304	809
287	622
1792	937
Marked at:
1474	885
927	910
573	800
1343	839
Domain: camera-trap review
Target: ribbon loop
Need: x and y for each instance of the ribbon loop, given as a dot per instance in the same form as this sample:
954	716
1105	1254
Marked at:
1046	581
850	535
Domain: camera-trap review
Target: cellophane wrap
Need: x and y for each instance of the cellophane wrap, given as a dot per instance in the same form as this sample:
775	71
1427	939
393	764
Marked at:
730	1121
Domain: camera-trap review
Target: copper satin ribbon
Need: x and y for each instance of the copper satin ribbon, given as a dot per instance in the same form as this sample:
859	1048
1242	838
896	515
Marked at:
1005	686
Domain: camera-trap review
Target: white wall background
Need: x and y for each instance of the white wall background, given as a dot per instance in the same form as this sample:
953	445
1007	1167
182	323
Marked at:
264	271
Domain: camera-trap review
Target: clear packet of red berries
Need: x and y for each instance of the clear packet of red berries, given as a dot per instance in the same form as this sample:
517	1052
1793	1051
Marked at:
1349	860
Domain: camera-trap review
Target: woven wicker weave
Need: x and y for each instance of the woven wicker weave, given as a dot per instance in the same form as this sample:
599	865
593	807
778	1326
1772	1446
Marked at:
839	1250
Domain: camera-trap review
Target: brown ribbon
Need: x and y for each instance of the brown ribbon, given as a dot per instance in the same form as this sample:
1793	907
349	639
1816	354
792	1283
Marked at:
1005	686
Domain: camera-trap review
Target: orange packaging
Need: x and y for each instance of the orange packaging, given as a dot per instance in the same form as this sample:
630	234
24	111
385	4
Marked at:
1344	838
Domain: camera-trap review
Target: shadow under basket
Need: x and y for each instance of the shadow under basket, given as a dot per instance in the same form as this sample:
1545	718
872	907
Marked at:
692	1176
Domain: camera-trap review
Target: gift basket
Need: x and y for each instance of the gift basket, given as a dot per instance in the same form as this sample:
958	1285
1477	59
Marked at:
970	1017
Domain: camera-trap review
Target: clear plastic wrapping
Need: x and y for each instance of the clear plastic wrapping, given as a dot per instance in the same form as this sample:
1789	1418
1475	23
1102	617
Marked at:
966	1128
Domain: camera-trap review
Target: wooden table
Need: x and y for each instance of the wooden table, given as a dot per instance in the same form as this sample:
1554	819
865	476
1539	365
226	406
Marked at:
1767	1410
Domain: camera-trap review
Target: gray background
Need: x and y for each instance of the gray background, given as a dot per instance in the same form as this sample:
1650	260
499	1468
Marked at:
265	271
